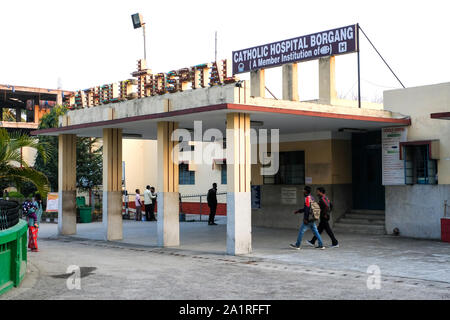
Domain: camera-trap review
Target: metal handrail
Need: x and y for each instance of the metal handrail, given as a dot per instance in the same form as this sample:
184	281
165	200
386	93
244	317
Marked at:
200	195
9	214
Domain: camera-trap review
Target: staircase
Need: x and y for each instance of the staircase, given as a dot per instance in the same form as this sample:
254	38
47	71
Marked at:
361	221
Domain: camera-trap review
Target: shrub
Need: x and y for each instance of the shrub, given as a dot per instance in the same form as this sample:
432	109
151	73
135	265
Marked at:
16	195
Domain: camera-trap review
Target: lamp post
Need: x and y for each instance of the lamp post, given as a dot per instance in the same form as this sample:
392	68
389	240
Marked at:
137	23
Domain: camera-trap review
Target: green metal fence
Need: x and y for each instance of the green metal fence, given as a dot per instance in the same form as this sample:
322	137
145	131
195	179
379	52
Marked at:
13	247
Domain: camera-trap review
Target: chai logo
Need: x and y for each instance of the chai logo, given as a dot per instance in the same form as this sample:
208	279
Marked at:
325	50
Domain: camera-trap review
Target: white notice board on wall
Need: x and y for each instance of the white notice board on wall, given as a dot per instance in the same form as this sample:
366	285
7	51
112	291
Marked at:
52	202
288	196
393	168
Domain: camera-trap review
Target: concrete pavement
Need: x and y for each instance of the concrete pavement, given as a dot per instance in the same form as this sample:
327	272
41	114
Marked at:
136	268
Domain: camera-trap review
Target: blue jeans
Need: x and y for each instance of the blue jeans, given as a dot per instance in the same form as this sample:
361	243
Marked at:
302	230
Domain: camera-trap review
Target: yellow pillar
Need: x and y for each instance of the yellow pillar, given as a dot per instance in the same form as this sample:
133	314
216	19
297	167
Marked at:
327	80
290	81
239	238
112	184
67	165
257	83
168	225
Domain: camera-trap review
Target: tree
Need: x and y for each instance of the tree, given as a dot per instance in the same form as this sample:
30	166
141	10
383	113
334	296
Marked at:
12	166
89	163
50	167
89	155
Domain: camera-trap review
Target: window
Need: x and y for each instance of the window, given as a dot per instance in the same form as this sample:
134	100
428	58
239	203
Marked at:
184	175
223	174
185	146
291	169
419	167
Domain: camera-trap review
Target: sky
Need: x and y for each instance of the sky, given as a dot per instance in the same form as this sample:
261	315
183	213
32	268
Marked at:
80	44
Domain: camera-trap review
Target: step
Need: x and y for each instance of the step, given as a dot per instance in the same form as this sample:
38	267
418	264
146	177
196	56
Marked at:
363	211
359	228
364	216
348	220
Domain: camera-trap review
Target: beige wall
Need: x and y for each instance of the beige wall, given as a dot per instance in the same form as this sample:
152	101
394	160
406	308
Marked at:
341	166
419	103
140	163
317	158
326	161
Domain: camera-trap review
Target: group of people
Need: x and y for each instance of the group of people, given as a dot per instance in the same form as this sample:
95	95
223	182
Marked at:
309	219
149	204
33	212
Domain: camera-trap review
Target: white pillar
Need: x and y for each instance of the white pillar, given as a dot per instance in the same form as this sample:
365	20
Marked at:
327	80
290	81
112	184
257	83
168	225
67	167
239	226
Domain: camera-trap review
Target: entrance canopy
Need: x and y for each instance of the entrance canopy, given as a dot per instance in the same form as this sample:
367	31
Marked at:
138	118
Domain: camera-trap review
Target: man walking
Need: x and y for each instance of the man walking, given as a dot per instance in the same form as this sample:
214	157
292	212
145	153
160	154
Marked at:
308	220
325	209
152	207
212	204
147	203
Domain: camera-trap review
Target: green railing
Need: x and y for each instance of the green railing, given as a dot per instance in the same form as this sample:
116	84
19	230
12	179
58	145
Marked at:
13	256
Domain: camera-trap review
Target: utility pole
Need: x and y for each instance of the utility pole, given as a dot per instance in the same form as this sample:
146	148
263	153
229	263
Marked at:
145	47
215	52
359	69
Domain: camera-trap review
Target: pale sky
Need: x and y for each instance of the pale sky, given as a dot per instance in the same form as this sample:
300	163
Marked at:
88	43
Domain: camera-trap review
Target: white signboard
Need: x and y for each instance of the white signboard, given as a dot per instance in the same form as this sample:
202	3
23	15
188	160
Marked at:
393	167
52	202
288	195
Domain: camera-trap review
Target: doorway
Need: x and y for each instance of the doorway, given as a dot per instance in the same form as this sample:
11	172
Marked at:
368	191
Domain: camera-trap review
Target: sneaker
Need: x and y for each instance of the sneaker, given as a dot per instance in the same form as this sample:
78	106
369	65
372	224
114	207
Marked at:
293	246
310	243
335	246
320	247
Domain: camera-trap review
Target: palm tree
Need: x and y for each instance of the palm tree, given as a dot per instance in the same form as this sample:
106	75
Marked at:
12	165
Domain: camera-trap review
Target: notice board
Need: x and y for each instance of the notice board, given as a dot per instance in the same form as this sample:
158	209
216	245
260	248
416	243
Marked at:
393	168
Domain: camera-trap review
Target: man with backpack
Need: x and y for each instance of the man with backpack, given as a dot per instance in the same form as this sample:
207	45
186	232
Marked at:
325	208
311	213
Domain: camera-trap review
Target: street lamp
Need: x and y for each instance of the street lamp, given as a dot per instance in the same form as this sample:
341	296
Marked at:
137	23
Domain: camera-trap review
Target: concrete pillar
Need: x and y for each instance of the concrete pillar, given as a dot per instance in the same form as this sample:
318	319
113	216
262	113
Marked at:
168	225
327	80
290	81
59	99
257	83
18	114
112	184
239	227
67	165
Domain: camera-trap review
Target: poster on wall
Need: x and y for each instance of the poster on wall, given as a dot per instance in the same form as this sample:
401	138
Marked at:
289	196
52	202
256	197
393	168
